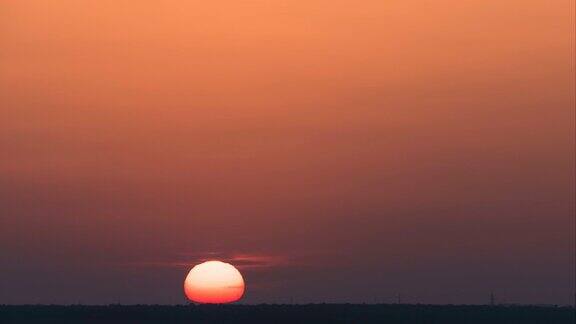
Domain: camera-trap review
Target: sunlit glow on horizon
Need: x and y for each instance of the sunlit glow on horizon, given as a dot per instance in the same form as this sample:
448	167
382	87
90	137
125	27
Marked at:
214	282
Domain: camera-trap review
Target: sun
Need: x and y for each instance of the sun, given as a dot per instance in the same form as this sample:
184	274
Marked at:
214	282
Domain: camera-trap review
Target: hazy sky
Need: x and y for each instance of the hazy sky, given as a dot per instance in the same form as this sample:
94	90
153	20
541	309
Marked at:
334	150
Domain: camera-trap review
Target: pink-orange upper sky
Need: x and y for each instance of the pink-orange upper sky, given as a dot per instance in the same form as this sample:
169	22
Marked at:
335	150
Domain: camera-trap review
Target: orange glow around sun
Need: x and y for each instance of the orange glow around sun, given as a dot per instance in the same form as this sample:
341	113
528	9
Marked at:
214	282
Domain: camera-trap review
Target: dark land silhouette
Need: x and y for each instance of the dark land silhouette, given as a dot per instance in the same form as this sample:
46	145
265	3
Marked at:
310	313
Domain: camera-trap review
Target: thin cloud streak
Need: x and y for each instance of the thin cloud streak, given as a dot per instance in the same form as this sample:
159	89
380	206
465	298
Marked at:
242	261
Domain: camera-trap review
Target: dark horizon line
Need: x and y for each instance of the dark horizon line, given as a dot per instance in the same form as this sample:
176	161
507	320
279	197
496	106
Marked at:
503	305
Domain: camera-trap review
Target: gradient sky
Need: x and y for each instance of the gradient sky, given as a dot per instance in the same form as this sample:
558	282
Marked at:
334	150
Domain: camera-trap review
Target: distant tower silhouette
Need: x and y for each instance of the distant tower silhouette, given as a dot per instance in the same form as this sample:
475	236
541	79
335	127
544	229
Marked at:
492	299
399	298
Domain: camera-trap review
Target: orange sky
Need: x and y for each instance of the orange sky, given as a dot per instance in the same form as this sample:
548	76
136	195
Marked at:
416	146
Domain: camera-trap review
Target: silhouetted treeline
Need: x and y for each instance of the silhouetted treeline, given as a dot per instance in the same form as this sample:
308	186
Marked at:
312	313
